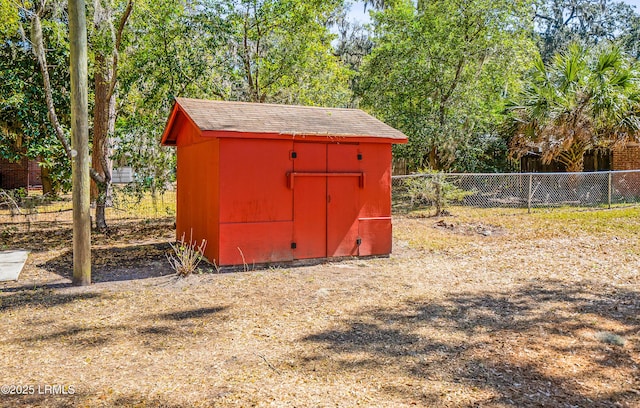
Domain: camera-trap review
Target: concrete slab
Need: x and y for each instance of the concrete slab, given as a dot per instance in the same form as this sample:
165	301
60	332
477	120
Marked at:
11	264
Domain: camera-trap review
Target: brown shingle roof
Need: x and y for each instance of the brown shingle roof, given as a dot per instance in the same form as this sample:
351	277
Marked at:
285	119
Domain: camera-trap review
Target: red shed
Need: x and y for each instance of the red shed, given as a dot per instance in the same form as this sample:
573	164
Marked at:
270	183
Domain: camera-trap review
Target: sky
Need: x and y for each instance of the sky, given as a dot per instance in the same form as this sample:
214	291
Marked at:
358	14
634	3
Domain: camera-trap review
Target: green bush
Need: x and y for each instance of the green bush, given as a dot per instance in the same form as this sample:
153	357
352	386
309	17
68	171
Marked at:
433	189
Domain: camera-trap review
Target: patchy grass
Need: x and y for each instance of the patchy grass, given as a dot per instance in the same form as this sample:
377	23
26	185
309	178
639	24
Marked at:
494	308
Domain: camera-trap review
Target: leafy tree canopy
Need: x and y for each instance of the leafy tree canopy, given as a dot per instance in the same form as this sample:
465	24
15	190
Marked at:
590	22
276	51
9	17
25	130
439	72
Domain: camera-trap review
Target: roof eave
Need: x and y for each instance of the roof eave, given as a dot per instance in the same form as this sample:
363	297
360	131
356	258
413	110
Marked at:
175	112
164	140
303	136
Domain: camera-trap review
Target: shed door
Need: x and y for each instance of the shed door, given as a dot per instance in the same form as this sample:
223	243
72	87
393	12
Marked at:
343	205
310	201
326	191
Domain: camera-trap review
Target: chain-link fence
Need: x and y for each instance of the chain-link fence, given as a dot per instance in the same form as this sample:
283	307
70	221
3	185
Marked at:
525	190
26	210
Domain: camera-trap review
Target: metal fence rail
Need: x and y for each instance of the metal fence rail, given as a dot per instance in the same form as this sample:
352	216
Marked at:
34	211
524	190
518	190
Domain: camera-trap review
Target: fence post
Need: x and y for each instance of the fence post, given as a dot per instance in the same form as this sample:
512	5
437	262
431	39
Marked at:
609	200
529	194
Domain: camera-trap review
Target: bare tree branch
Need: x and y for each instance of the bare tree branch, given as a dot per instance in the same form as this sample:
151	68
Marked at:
116	50
39	51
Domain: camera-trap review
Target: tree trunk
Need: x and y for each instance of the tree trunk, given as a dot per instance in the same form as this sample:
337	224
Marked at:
437	179
104	113
78	150
433	158
101	161
39	50
575	166
80	144
573	158
47	182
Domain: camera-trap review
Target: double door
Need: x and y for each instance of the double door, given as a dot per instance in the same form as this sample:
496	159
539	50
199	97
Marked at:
326	182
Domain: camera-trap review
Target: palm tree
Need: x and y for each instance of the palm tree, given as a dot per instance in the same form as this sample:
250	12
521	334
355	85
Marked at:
581	100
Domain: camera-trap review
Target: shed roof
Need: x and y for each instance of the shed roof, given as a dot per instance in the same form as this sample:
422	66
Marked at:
262	118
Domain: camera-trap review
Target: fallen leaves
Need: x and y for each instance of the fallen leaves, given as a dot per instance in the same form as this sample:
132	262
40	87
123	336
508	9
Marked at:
453	318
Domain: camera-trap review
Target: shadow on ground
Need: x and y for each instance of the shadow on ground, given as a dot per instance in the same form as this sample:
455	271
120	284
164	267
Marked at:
111	264
153	332
38	296
79	399
44	236
81	395
534	346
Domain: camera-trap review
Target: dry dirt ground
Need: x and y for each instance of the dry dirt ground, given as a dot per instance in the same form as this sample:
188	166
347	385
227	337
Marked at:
486	308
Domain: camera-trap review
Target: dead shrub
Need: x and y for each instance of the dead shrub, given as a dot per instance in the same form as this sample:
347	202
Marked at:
186	256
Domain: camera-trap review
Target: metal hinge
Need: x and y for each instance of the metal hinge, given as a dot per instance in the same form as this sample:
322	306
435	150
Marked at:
294	155
358	241
293	245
